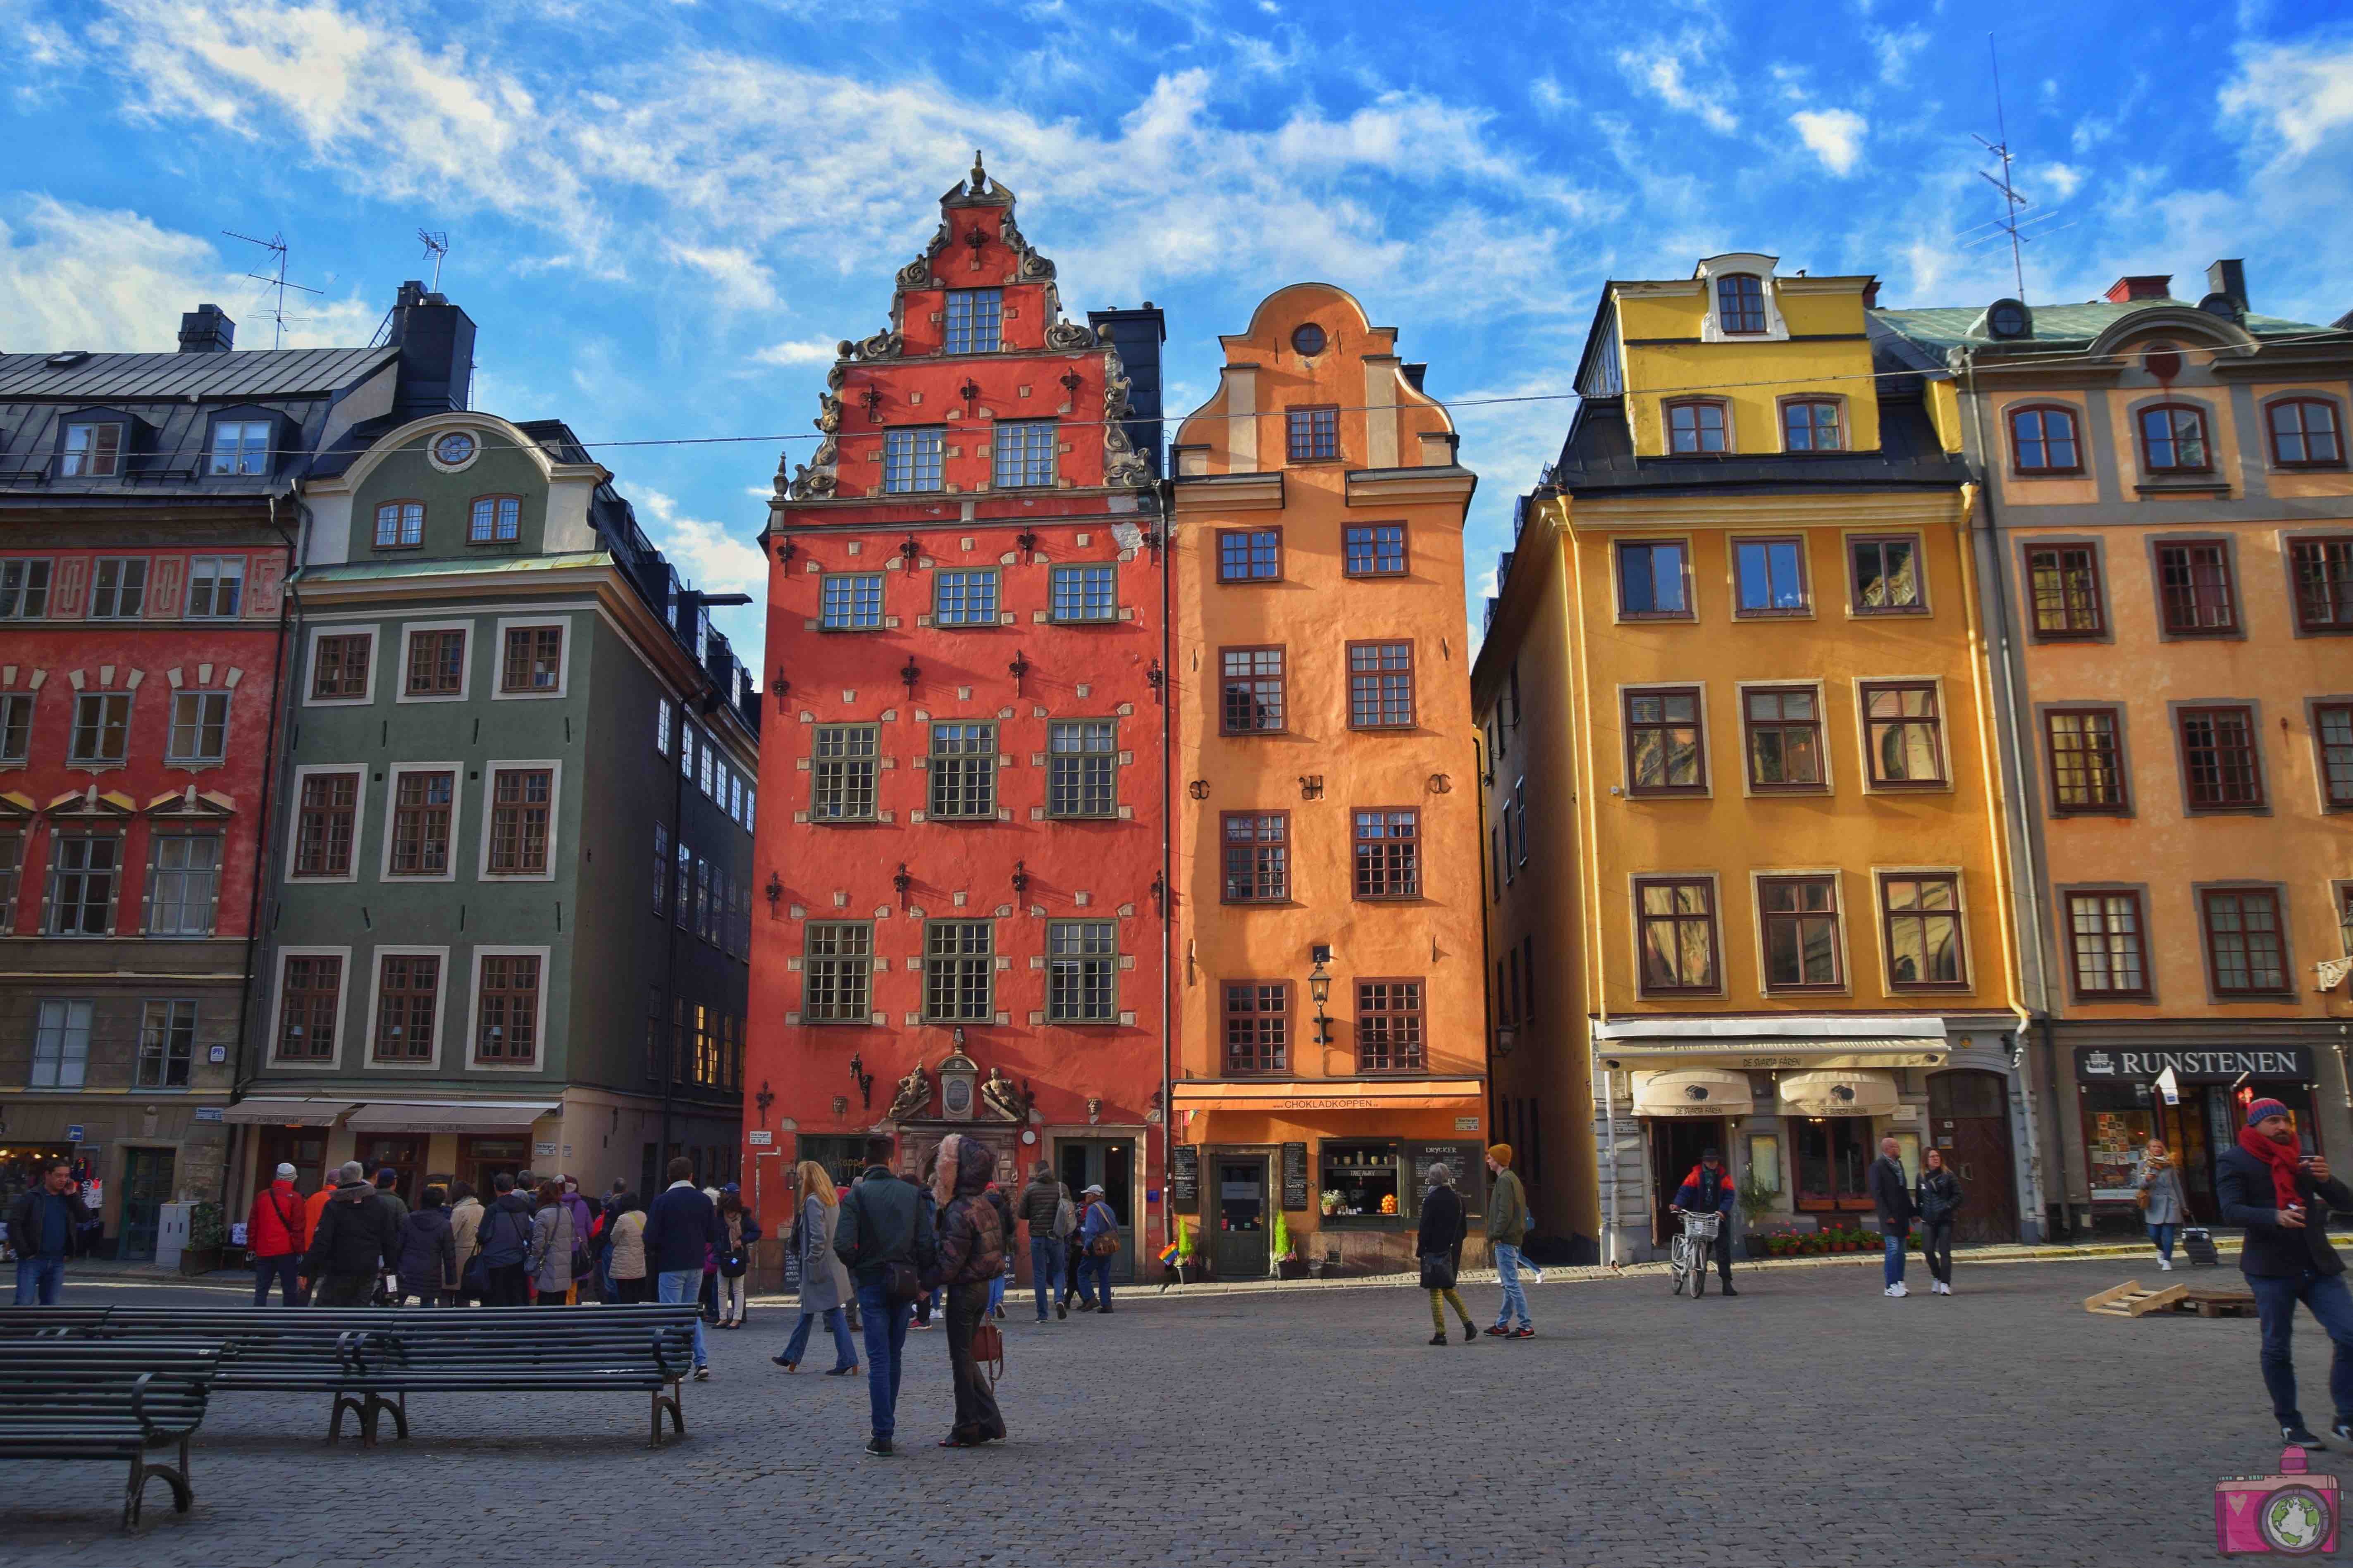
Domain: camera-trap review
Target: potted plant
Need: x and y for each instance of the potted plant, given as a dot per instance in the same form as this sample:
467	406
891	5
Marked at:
1329	1199
1754	1200
1278	1252
206	1236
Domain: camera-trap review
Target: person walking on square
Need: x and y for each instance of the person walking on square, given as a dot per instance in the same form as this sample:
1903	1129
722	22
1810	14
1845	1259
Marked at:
627	1256
1708	1190
1074	1257
1508	1222
1099	1244
1891	1195
428	1252
2162	1204
821	1272
2283	1199
42	1224
971	1255
465	1236
738	1231
274	1230
884	1236
680	1231
1043	1202
1439	1244
550	1260
357	1235
1939	1197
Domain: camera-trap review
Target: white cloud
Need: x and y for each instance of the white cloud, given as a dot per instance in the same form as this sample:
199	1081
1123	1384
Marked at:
706	553
2297	92
1549	96
88	278
800	350
1660	70
1833	135
2060	181
744	284
1895	52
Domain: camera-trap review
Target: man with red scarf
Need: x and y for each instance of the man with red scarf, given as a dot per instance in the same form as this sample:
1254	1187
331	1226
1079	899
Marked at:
2265	1184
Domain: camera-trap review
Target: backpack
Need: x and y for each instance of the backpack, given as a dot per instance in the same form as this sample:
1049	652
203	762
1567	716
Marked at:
1066	1219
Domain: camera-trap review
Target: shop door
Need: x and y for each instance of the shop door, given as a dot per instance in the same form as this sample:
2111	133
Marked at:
1675	1145
1242	1246
1968	1117
1109	1163
2185	1133
305	1148
482	1161
403	1152
146	1188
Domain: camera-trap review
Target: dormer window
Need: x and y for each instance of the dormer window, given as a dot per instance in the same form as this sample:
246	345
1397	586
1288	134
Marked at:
239	447
973	317
91	451
1696	425
1812	424
1740	303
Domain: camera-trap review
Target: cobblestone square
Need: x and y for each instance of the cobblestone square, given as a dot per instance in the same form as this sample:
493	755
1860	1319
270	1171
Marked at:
1810	1421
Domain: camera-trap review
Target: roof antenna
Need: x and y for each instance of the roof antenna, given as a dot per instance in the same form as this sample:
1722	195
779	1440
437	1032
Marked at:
437	246
276	277
2013	202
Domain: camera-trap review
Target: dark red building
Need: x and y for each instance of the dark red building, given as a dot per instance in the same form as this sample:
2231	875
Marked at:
964	850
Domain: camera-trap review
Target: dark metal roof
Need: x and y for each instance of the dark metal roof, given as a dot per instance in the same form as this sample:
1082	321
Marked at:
240	374
1599	457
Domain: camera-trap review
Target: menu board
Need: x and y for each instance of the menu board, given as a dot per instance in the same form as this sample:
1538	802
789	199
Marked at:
1294	1176
1464	1159
1184	1178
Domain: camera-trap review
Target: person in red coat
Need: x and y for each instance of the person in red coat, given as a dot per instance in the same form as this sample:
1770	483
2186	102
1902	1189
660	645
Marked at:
277	1230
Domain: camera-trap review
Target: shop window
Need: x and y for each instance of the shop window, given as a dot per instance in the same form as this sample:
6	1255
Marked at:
1834	1154
2220	769
1360	1183
2063	581
2324	583
1886	574
1664	755
2108	944
2195	590
2086	766
1901	734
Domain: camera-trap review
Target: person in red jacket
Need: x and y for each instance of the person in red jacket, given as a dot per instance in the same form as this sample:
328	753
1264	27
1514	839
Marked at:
277	1230
1708	1189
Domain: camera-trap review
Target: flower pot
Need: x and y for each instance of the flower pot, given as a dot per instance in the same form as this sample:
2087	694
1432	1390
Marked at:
197	1261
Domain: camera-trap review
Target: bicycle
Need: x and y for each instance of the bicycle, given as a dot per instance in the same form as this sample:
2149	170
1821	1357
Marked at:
1687	1255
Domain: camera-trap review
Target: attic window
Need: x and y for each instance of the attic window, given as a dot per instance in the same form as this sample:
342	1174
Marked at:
1740	303
67	359
240	446
91	452
2008	318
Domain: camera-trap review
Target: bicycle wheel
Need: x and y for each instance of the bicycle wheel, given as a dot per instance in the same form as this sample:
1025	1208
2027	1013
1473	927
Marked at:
1698	1272
1678	1262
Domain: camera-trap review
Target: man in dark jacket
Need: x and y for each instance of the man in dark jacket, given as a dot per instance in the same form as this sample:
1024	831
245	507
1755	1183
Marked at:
1042	1205
42	1224
1708	1190
429	1251
1891	1195
503	1239
884	1224
2282	1197
356	1238
681	1227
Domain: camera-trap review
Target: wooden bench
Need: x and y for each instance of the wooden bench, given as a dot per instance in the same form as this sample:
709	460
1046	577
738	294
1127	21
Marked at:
76	1398
370	1359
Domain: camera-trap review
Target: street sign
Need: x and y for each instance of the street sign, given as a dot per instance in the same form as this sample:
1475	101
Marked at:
73	1134
762	1137
2169	1086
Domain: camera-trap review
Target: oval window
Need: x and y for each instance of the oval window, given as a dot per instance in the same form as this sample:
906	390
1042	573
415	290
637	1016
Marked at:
2009	319
1308	339
455	448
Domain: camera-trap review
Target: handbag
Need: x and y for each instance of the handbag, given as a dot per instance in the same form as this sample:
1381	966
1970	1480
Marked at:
988	1351
731	1263
1436	1271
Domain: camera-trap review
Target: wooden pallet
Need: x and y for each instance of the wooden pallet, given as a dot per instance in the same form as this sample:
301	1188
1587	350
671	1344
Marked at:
2218	1301
2129	1301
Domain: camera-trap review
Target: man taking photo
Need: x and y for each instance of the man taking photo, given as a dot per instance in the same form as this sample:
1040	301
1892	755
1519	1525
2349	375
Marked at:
2282	1197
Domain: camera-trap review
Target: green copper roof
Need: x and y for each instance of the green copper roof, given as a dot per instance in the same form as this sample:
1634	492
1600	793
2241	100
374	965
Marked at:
1946	327
463	565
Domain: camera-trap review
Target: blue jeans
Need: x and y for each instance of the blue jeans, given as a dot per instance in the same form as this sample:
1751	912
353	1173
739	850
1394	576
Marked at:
844	1353
1097	1269
2275	1298
285	1269
1893	1266
44	1276
682	1286
997	1294
885	1323
1516	1300
2163	1236
1045	1271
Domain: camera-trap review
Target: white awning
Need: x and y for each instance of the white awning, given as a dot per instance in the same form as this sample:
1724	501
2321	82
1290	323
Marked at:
448	1117
1693	1092
1839	1093
285	1112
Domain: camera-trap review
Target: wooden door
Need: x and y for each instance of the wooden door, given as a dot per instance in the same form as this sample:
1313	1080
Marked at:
146	1188
1968	1120
305	1148
1676	1143
1242	1217
404	1153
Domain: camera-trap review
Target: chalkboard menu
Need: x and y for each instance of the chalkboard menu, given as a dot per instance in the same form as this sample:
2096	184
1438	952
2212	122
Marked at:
1294	1176
1466	1161
1184	1178
792	1266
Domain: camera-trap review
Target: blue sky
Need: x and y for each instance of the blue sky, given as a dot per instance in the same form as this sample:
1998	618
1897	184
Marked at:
664	214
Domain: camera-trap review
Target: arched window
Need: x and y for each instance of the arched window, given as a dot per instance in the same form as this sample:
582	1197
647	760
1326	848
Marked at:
1740	303
2304	432
2043	441
1696	425
2173	438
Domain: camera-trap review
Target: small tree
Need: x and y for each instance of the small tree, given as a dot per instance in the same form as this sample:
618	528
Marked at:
1752	1197
1282	1248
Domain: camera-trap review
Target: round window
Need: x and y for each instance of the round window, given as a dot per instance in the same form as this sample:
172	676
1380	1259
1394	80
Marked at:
454	449
2009	319
1308	339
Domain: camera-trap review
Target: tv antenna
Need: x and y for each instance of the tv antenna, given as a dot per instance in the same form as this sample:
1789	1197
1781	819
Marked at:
2012	202
437	246
276	279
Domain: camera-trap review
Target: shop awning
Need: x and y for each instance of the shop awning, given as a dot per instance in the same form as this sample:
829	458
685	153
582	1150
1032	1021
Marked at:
1352	1094
257	1112
1693	1092
1839	1093
447	1117
1663	1043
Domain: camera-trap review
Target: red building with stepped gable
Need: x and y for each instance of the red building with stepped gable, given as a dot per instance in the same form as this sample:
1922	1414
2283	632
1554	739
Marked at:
962	857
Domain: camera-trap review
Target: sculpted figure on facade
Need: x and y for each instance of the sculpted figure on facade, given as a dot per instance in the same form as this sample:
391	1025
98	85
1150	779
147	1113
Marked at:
914	1094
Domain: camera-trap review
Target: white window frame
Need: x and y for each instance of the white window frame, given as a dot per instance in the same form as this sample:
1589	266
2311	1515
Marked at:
269	428
474	1009
465	675
22	565
294	826
369	630
155	873
377	956
343	1010
73	727
191	763
121	564
188	589
33	1059
491	771
563	660
392	773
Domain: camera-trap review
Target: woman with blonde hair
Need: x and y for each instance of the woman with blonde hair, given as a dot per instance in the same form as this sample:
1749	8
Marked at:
821	1293
2162	1204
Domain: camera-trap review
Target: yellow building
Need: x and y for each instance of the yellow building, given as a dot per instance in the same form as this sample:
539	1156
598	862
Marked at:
1741	797
2166	531
1329	1032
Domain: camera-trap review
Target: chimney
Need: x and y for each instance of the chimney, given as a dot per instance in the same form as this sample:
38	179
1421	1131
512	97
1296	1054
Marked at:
206	329
1137	334
2229	279
436	340
2147	286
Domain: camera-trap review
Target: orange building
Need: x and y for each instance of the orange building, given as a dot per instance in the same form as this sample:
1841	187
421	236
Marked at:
1329	1015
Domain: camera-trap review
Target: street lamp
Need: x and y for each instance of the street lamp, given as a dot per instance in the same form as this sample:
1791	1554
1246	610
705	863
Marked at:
1319	991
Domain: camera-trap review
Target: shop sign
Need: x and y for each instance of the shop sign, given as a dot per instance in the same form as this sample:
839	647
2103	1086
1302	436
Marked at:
1185	1176
2097	1064
1294	1176
1466	1124
543	1151
208	1113
761	1138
